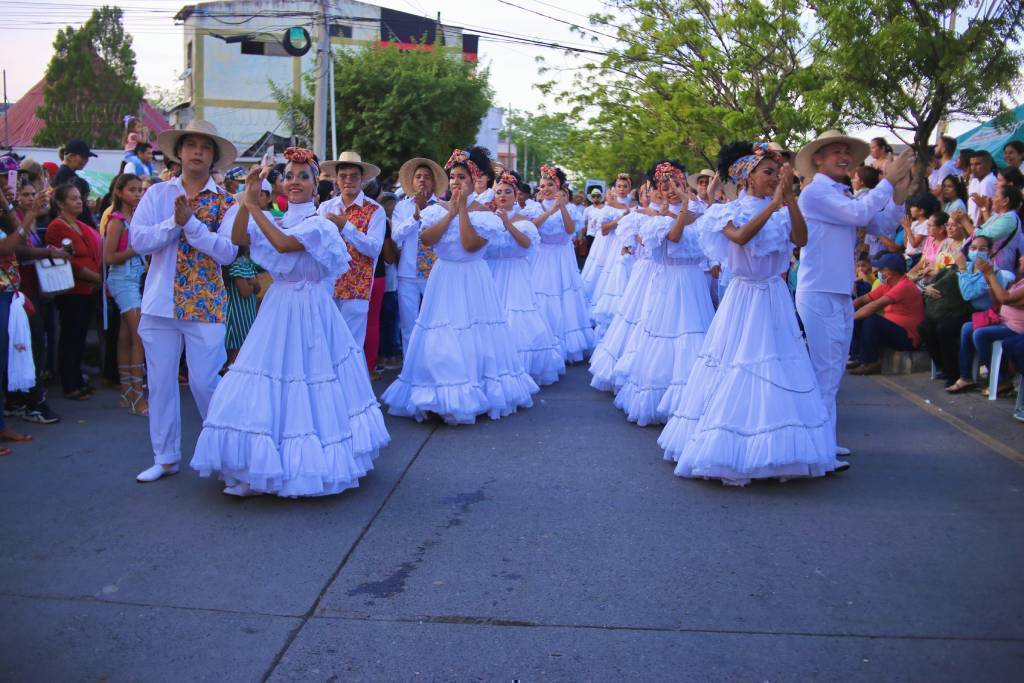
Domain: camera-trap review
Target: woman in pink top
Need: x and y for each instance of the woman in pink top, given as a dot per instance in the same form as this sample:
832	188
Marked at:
1011	314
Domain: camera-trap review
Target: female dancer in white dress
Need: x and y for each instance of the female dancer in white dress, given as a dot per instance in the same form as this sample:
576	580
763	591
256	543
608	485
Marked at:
462	360
752	408
617	203
508	255
556	278
664	345
295	415
630	309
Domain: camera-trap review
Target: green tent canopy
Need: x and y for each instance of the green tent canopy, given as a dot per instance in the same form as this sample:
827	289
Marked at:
991	139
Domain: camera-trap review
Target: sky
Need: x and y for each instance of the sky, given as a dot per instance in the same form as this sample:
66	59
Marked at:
30	26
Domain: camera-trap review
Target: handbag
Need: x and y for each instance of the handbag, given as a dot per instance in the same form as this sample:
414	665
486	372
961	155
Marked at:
55	276
989	316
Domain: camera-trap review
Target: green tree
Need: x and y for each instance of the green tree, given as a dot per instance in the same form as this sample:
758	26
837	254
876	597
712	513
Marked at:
392	105
165	98
686	76
906	66
90	83
539	139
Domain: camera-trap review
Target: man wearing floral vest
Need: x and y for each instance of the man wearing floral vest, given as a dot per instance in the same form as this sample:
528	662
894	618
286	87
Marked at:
362	223
179	224
422	180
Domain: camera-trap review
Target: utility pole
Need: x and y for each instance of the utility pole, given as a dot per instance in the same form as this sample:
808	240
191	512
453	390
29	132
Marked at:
320	109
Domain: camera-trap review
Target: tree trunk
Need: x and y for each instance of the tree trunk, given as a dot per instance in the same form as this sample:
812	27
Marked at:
922	152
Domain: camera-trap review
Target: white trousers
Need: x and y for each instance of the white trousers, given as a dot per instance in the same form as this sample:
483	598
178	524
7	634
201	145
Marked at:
355	312
163	340
410	296
828	324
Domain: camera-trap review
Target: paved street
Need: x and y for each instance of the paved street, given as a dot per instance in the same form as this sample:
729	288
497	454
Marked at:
552	545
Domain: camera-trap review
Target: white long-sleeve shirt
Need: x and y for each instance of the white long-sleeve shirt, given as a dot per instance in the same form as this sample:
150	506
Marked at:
155	233
368	243
986	187
405	231
832	216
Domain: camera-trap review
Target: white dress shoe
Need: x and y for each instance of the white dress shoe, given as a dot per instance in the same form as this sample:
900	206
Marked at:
241	490
842	451
155	472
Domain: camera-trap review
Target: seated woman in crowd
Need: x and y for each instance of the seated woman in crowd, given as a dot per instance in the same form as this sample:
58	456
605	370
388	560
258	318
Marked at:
945	313
1010	303
902	310
975	288
1013	154
954	195
926	268
915	224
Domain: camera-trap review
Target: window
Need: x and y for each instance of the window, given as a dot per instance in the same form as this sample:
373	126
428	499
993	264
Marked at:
252	47
338	30
265	48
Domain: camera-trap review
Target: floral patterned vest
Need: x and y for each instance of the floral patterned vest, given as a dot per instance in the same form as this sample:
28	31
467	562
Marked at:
425	258
199	294
355	283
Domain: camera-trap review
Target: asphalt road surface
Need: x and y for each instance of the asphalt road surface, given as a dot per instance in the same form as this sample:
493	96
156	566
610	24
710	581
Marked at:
551	545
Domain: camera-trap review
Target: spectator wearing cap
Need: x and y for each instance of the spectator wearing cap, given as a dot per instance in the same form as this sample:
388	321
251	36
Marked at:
901	312
140	161
75	155
233	179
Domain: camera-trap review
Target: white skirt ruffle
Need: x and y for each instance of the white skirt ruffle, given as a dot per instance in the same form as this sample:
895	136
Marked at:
665	344
462	361
613	343
610	297
594	265
751	408
295	415
538	349
559	290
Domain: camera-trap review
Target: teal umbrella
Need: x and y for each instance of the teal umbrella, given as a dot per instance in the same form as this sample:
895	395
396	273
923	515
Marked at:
991	138
99	181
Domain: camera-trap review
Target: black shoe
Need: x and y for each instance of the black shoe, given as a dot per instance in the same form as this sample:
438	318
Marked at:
14	411
41	415
842	466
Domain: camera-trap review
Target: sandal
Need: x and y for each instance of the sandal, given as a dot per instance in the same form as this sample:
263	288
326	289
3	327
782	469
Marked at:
77	395
5	451
960	386
8	435
1001	390
126	385
133	403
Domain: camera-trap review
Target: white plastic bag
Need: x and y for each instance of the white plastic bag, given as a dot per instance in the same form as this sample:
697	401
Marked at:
55	276
21	370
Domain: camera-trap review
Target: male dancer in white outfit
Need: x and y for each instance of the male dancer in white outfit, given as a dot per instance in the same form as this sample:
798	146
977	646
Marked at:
179	223
362	223
421	180
826	274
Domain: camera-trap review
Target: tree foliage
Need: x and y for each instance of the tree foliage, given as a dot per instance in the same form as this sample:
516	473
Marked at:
906	65
90	83
687	76
165	98
392	105
539	139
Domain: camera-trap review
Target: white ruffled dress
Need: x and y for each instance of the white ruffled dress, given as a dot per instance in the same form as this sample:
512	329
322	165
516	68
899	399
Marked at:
608	256
295	415
751	408
665	343
462	359
559	289
628	313
510	265
612	287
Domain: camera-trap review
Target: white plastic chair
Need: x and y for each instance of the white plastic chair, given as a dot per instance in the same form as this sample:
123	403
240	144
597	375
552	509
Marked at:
993	369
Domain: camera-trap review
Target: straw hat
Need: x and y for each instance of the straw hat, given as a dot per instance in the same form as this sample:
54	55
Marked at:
226	151
804	164
705	173
409	168
349	157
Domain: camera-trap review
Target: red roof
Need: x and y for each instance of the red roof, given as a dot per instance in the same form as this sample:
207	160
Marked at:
22	123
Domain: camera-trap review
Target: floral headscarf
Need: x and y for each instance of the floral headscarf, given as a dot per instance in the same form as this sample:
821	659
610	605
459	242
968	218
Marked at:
301	155
460	158
550	172
742	167
508	179
666	171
